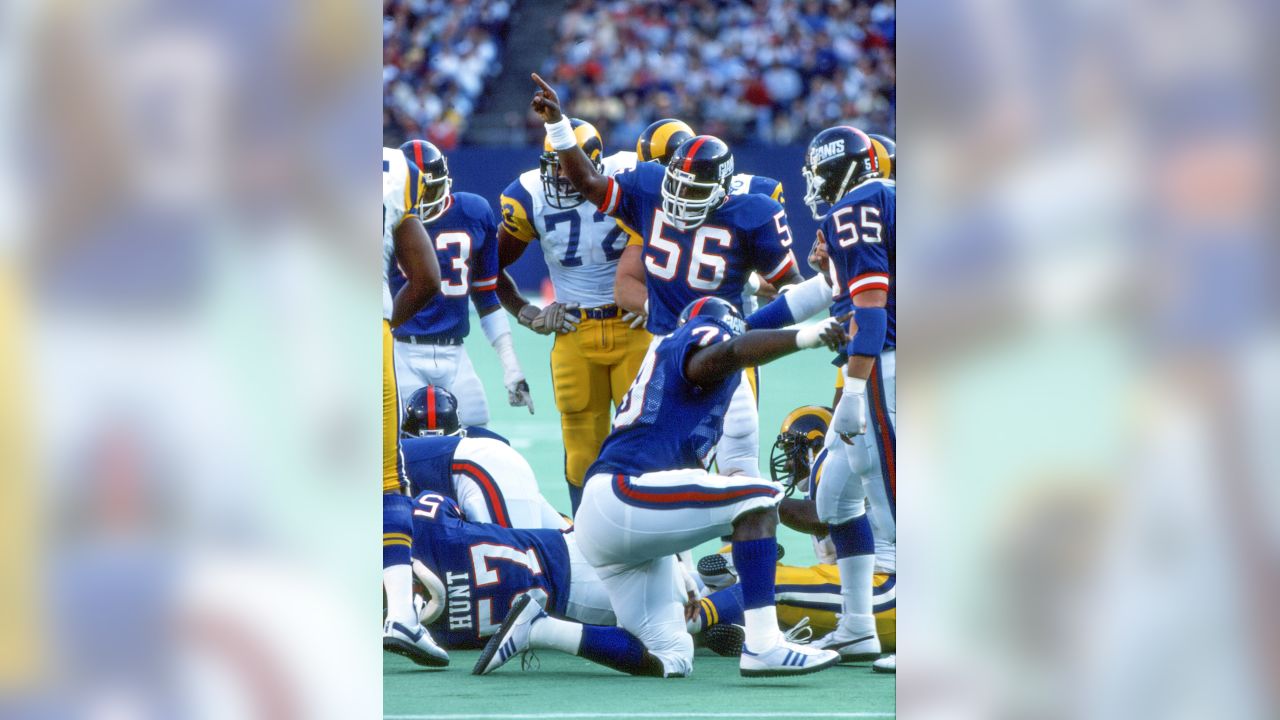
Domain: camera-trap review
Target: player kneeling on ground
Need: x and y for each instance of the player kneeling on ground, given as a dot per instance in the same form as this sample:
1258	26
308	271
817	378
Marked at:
490	480
648	496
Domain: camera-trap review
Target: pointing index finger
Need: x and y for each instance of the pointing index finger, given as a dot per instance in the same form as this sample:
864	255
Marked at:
541	83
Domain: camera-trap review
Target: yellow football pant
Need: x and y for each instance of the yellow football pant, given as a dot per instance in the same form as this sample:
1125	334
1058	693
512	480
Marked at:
824	621
392	478
591	369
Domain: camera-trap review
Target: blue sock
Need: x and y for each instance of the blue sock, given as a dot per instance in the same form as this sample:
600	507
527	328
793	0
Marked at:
756	561
616	648
728	607
853	537
575	498
397	526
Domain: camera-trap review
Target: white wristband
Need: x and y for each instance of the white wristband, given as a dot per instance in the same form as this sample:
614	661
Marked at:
495	325
560	134
855	386
809	336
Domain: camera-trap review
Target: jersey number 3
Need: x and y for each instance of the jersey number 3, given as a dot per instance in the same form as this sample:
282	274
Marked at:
454	284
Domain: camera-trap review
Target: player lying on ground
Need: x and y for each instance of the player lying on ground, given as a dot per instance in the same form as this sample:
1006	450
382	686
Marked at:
813	596
490	480
649	497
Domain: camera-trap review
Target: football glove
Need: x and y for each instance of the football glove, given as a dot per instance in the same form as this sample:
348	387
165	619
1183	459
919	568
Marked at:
518	395
850	417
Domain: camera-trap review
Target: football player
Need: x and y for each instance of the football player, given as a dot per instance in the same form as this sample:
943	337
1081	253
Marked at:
473	573
429	347
490	480
648	496
404	242
698	241
888	148
878	474
596	354
812	593
658	143
843	172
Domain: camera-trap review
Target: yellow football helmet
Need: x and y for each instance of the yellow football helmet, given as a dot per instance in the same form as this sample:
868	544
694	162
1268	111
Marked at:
559	191
799	442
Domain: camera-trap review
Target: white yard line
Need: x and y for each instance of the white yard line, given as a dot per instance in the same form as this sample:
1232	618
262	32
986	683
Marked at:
652	715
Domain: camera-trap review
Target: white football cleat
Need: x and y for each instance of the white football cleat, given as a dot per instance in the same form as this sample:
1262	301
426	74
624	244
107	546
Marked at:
786	658
852	646
512	637
414	643
886	664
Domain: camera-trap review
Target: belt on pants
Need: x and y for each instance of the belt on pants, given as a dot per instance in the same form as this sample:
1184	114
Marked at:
604	312
428	340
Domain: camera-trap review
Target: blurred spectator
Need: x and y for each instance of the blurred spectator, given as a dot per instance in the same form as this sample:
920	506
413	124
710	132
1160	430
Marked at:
770	71
437	56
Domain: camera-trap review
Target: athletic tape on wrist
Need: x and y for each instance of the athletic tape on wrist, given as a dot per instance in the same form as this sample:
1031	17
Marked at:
560	134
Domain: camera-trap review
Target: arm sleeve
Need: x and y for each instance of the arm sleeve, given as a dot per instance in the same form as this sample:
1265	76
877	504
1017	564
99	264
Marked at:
626	197
796	303
867	268
516	204
484	275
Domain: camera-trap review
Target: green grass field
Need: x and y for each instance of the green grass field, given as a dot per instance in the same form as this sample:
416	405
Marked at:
569	687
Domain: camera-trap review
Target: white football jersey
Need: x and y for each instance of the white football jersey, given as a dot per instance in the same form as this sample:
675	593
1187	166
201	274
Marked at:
581	245
399	199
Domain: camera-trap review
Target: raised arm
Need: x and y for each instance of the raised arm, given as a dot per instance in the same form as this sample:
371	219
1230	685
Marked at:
576	165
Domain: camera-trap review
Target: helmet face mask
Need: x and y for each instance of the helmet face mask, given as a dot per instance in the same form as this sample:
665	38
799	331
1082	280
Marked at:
800	441
686	201
838	160
791	460
556	188
434	182
434	196
696	181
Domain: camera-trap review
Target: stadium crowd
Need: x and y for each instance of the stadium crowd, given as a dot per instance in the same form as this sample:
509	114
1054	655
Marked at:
437	56
768	71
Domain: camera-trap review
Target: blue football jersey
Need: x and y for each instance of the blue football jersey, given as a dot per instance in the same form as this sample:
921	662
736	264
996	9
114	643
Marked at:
484	567
859	232
666	422
748	232
466	243
428	463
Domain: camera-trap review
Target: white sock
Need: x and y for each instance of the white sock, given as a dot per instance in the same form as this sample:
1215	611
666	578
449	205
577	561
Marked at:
762	628
855	592
556	634
398	581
